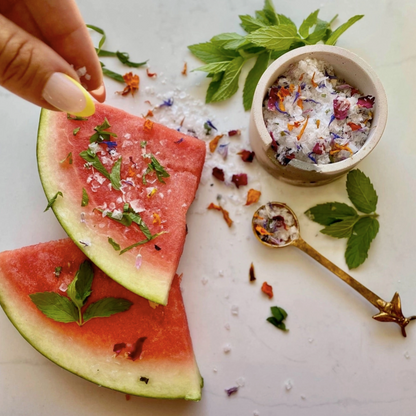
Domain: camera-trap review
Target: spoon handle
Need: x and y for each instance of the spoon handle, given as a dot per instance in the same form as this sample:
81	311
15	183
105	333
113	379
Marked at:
389	311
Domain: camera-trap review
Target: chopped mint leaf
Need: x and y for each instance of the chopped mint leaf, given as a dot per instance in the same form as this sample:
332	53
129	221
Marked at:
143	144
155	166
85	198
115	174
101	134
361	191
140	243
68	158
78	118
76	130
103	37
58	271
54	306
114	244
52	200
279	315
111	74
106	307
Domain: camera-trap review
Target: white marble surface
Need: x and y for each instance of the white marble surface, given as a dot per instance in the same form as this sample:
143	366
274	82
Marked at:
338	360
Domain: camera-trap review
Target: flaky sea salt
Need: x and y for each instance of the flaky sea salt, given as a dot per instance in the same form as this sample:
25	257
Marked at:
234	310
288	385
275	224
226	348
314	116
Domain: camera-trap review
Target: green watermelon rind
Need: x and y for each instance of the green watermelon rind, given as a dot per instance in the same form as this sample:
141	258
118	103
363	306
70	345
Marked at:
149	282
72	357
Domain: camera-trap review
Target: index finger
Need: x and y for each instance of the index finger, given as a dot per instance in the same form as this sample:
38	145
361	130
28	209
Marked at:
64	29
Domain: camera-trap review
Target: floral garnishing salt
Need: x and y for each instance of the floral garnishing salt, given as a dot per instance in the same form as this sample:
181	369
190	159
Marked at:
313	116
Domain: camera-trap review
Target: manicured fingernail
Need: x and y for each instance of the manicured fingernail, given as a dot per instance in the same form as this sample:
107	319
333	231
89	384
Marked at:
66	94
99	93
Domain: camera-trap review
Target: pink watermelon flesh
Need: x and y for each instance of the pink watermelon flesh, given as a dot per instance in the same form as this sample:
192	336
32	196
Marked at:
167	357
180	155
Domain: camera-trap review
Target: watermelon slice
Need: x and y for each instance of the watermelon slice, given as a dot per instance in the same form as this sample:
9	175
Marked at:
159	201
166	366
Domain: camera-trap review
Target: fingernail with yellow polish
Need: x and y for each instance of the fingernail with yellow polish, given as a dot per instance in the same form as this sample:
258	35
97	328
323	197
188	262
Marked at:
66	94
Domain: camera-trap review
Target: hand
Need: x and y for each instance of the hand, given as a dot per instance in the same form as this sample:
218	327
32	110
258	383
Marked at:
43	43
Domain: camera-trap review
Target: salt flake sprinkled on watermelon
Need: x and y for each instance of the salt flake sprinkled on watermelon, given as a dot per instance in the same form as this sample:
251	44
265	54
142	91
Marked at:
139	260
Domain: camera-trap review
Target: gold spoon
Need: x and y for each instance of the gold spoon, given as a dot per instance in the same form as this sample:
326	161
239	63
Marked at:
389	311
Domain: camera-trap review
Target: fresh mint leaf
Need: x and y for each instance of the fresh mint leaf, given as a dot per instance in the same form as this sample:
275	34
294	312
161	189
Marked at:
276	323
361	191
319	32
214	68
364	232
80	287
270	12
137	219
106	307
213	86
330	212
52	200
308	23
68	158
85	198
332	40
155	166
261	15
283	20
54	306
103	37
250	24
209	53
341	229
277	38
126	220
224	39
76	130
114	244
229	82
115	174
101	134
253	78
124	58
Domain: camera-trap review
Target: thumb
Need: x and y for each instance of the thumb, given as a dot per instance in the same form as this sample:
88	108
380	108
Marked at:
32	70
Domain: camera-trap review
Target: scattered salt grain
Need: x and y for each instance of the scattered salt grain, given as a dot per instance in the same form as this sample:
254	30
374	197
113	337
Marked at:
81	71
407	355
204	280
87	77
215	370
310	340
221	273
241	382
234	310
63	287
227	326
288	385
256	413
227	348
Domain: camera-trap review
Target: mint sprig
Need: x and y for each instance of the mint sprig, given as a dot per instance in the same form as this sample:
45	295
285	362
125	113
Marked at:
279	315
269	35
70	309
343	221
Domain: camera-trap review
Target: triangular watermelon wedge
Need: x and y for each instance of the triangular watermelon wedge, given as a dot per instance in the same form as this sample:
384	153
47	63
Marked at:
166	366
160	201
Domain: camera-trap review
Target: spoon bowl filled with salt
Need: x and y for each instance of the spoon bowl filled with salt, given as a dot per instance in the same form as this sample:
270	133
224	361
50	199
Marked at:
317	112
275	225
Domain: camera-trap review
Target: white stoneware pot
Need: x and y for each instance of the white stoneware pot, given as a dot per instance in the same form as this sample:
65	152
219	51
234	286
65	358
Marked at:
348	66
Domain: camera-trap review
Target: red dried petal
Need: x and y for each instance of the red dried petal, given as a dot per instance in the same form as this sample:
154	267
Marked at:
218	174
267	289
341	108
317	149
240	179
354	126
234	133
150	74
246	155
251	273
366	102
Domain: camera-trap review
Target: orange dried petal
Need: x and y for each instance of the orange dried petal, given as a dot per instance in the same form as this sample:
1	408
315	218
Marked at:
314	84
148	125
262	231
156	219
252	196
185	69
214	143
303	129
132	83
225	213
267	289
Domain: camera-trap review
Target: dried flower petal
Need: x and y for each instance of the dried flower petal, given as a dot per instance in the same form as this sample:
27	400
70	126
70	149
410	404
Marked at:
223	150
151	74
251	273
354	126
218	174
252	196
366	102
246	155
179	141
225	213
148	125
234	133
262	231
231	391
341	108
132	83
149	114
185	69
239	179
156	219
267	289
214	143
